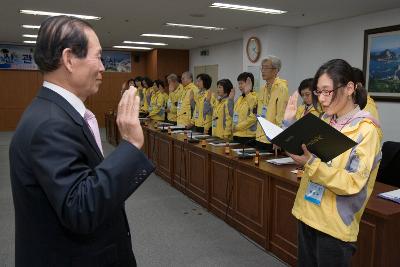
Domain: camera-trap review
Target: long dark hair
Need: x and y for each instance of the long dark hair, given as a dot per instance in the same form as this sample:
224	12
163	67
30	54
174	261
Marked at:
341	74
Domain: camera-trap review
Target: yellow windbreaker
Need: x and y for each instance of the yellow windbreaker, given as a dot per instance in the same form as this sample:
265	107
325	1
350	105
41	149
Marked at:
222	126
172	104
146	98
303	110
348	181
157	106
243	118
203	110
371	108
184	108
272	104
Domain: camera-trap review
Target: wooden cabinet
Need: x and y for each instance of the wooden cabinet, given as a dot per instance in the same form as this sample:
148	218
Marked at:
258	200
250	203
197	178
221	187
179	166
165	158
283	225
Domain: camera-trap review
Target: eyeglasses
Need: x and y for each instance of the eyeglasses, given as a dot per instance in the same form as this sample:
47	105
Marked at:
267	68
325	92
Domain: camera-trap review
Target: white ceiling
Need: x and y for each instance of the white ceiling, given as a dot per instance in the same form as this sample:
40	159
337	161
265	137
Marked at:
126	20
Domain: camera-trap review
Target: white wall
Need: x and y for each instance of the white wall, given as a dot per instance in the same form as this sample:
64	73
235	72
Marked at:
277	41
303	50
228	56
345	39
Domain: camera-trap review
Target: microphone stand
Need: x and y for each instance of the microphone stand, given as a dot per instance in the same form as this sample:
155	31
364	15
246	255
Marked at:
194	140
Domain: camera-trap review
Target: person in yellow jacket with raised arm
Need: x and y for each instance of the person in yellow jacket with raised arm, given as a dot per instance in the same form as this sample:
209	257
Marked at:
175	92
305	91
222	110
203	100
186	101
332	195
272	98
138	85
147	85
158	102
244	122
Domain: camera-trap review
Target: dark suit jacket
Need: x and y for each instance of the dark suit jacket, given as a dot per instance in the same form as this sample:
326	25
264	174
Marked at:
69	201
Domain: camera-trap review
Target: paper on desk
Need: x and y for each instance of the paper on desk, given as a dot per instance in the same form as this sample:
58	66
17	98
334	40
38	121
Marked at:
281	161
391	195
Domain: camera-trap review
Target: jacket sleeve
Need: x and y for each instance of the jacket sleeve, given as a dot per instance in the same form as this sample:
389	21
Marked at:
364	157
84	197
281	103
159	105
250	118
228	122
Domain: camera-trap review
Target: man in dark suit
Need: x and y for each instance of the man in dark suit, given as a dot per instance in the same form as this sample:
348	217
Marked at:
68	199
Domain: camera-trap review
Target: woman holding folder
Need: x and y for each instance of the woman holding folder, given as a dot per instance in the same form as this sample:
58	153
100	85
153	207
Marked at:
332	195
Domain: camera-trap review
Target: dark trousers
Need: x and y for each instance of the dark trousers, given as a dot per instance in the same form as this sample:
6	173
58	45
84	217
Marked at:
319	249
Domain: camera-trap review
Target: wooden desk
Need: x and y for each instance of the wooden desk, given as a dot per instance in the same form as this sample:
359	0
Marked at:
257	200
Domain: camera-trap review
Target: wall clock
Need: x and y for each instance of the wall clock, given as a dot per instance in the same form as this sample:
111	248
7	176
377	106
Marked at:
253	49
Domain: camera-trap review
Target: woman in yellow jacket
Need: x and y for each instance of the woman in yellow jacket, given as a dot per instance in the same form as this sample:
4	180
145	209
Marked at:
222	110
244	122
158	102
175	91
147	85
203	101
305	92
332	195
185	104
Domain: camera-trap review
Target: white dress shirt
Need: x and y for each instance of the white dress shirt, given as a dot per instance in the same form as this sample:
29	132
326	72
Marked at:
75	101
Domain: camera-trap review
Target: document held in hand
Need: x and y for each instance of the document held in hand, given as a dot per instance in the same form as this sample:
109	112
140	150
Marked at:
321	139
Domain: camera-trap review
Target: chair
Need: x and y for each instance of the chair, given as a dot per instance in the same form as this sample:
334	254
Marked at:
389	169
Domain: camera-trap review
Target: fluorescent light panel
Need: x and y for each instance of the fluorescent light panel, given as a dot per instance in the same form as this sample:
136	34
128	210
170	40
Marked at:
194	26
29	35
166	36
30	42
51	14
249	8
132	47
143	43
30	26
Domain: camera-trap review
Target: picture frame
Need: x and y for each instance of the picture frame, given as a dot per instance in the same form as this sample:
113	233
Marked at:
381	63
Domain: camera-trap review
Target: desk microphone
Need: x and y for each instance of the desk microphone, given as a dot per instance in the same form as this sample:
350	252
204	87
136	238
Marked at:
165	128
193	140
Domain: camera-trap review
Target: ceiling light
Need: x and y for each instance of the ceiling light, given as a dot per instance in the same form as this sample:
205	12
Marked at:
249	8
166	36
143	43
51	14
195	26
29	35
30	26
132	47
30	42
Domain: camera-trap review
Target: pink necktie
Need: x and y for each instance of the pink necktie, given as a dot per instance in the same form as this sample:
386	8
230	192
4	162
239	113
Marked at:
90	118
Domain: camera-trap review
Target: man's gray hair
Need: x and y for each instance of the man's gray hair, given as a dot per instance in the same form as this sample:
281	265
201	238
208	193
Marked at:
188	74
275	62
172	77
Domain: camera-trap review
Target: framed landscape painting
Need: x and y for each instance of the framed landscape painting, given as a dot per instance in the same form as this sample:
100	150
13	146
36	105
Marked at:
381	62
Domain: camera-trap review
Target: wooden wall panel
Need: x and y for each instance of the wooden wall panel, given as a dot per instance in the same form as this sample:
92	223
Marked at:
19	87
172	61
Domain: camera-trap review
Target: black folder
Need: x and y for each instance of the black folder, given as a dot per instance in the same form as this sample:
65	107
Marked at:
321	139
